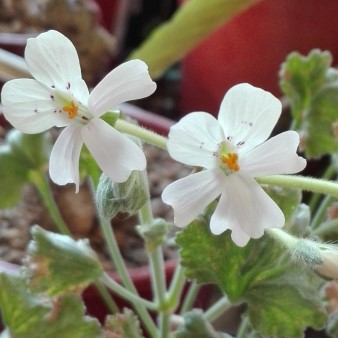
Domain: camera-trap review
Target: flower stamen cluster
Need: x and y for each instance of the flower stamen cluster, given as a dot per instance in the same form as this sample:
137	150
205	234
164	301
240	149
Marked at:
228	160
71	109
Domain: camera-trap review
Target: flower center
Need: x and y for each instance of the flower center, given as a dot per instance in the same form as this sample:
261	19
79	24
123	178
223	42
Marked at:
75	110
71	109
228	160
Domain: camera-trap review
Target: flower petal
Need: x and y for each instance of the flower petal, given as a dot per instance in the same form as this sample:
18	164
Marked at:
278	155
248	114
194	140
64	159
245	209
128	81
190	195
115	153
52	59
28	106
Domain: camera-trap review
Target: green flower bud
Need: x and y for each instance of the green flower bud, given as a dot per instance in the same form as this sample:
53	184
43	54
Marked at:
321	258
127	197
154	234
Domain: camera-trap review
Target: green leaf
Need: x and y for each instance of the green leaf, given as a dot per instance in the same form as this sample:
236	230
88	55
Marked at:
13	175
318	127
20	310
57	264
302	77
312	88
19	155
196	326
28	315
192	22
32	149
123	325
260	273
286	305
220	261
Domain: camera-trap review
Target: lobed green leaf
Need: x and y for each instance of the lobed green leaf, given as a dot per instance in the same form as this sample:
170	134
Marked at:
57	264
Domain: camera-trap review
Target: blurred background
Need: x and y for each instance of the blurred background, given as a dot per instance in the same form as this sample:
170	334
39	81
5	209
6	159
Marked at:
245	44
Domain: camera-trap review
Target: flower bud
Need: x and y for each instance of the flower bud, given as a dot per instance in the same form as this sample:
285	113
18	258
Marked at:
154	234
329	266
127	197
321	258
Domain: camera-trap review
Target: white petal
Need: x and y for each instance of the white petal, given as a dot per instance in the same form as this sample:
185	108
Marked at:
115	153
194	140
64	159
190	195
275	156
28	106
52	59
128	81
248	114
245	209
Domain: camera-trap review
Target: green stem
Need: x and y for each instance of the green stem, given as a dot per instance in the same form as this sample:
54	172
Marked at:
176	287
142	133
320	213
121	268
42	183
282	237
301	182
164	324
326	228
112	306
217	309
126	294
244	327
189	299
156	263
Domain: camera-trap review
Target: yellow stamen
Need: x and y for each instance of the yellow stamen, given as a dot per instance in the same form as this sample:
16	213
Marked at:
230	160
71	110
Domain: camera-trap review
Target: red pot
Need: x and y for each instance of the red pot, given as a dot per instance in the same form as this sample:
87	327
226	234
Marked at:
251	47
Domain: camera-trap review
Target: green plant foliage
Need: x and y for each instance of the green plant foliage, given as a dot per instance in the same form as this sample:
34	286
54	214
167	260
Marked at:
31	149
123	325
311	85
261	274
284	306
220	261
28	315
19	156
193	21
196	326
57	264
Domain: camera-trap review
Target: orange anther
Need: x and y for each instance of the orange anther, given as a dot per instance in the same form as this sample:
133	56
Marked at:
71	110
230	160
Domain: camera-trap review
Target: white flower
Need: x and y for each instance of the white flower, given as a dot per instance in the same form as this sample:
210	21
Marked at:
57	96
233	151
